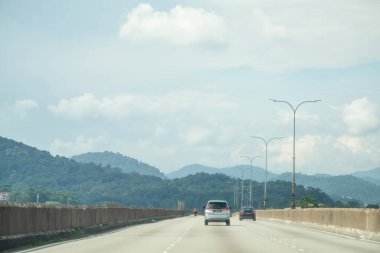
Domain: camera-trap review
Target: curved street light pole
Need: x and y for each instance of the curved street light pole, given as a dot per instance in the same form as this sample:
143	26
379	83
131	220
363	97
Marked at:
266	164
250	182
294	142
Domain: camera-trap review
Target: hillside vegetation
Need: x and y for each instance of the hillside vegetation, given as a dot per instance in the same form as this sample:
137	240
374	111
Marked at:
28	172
117	160
346	186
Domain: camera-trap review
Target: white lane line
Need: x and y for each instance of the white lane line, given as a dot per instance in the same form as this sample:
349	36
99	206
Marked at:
286	244
172	245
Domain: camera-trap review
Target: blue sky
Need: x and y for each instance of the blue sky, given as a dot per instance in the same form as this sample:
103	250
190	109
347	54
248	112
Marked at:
178	82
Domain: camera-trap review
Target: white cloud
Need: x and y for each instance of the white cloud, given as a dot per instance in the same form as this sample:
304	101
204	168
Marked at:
79	145
361	116
266	27
126	105
180	25
327	154
21	107
276	35
195	135
286	117
350	143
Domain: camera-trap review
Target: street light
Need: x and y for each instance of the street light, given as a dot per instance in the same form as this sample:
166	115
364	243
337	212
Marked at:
266	164
250	182
242	187
294	143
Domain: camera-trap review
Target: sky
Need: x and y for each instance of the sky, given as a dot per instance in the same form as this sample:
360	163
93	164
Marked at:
172	83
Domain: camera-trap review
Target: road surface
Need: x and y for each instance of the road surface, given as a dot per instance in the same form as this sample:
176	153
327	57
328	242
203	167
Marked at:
190	235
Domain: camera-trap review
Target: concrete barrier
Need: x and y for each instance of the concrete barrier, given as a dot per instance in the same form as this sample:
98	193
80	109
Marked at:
362	219
29	219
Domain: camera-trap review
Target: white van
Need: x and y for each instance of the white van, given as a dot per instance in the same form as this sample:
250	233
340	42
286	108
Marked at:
217	211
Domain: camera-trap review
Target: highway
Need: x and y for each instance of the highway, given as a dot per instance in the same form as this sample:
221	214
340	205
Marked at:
190	235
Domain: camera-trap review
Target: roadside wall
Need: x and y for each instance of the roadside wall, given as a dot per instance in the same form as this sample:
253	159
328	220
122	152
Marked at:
363	219
26	219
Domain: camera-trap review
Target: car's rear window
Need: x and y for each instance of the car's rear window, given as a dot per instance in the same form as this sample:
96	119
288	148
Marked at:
248	209
217	205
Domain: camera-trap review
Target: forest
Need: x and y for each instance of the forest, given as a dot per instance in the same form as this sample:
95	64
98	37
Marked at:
32	175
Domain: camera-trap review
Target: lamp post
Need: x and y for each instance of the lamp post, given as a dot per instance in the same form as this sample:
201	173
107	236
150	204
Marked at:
242	187
266	164
294	142
250	182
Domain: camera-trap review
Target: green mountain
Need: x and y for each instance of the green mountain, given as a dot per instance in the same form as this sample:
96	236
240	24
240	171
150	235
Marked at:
346	186
258	174
117	160
28	172
192	169
372	176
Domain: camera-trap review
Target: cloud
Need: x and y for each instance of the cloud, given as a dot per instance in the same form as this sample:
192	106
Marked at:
361	116
351	143
79	145
127	105
286	117
21	107
195	135
328	154
266	27
285	35
180	25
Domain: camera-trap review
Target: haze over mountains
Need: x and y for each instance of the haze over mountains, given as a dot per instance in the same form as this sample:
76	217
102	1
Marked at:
29	174
117	160
23	165
363	186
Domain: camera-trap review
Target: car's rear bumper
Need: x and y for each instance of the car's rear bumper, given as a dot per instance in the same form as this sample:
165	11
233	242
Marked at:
247	217
217	219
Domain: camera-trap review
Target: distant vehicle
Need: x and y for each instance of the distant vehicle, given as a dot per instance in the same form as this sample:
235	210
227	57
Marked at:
217	211
195	212
374	206
247	212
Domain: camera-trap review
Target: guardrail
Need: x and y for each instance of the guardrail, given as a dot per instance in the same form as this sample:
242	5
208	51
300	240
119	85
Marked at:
26	219
363	219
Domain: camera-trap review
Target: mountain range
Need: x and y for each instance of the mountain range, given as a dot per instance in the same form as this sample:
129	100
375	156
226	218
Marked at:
30	175
258	174
372	176
363	186
117	160
23	165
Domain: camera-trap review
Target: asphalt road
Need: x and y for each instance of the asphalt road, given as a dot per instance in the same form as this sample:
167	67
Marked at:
190	235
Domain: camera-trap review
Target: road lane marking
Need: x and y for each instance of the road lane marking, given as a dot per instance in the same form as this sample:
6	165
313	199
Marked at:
286	244
172	245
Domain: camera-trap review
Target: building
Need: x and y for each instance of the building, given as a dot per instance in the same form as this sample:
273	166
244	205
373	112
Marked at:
4	196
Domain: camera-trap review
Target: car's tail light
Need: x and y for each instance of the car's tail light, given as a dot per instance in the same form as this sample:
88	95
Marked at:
225	209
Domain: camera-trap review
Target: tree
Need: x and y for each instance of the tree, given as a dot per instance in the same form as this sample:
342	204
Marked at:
307	202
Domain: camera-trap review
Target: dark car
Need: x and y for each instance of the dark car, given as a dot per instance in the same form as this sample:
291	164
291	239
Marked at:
247	213
373	206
